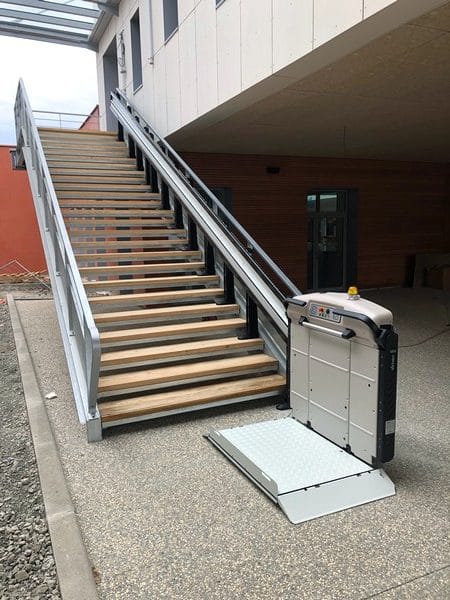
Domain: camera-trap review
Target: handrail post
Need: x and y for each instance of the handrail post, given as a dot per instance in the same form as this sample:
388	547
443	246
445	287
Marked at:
165	202
192	234
228	284
251	316
210	266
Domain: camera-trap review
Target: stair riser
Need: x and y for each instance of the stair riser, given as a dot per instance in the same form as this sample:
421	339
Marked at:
102	187
107	423
106	213
74	222
188	381
81	167
166	316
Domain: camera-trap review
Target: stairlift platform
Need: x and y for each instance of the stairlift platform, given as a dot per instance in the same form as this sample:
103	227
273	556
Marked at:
326	457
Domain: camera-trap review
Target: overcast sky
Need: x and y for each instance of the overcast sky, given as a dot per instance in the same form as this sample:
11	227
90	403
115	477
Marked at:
57	78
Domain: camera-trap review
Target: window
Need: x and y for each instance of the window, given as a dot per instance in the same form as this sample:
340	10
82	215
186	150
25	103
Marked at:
219	2
136	51
170	17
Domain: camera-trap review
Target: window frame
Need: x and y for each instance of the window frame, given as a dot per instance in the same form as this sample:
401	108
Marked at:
136	51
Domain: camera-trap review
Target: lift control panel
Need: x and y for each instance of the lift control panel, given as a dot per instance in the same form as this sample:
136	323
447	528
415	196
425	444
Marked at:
343	372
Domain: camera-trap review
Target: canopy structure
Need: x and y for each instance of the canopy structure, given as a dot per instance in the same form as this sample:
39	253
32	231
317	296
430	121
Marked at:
72	22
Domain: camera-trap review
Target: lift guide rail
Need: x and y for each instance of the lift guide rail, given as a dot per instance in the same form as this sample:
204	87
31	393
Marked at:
326	457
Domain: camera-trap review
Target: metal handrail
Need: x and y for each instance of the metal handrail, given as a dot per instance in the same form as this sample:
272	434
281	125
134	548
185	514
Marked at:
251	246
232	249
79	333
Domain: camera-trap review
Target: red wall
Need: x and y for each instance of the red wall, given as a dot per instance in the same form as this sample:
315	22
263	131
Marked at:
19	233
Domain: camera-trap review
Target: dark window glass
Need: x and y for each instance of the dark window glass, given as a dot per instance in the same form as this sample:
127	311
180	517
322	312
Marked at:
136	50
170	17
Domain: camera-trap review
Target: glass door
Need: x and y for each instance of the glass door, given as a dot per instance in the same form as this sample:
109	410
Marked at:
327	218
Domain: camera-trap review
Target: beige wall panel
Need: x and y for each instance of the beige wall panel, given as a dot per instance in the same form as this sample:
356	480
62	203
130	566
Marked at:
188	69
173	83
292	30
159	91
206	52
228	49
373	6
330	21
256	41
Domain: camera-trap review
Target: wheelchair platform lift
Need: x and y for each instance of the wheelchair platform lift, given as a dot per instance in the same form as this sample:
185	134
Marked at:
327	455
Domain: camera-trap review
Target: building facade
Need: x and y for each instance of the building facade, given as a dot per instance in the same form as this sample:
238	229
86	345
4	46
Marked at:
324	125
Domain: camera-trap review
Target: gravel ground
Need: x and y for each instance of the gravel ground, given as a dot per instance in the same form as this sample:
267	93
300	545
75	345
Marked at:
27	566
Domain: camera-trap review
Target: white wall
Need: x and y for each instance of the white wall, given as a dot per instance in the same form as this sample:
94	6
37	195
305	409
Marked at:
218	53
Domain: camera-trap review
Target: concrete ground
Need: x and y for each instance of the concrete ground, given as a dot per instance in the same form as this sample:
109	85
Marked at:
165	515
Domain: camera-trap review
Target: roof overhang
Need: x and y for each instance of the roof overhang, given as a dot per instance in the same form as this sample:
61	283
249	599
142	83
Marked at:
72	22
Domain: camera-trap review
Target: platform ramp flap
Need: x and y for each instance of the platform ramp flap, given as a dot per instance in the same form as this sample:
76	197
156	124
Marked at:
307	475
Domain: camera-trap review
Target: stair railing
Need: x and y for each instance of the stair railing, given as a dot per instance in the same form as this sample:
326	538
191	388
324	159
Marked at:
246	270
79	333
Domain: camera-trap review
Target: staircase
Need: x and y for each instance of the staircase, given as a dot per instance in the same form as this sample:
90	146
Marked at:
169	340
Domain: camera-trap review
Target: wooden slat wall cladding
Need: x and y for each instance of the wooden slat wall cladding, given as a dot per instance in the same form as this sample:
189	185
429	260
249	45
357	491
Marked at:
403	208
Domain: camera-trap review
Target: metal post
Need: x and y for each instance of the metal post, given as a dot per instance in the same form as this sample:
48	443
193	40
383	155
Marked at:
154	179
209	258
192	234
139	159
179	224
165	202
251	314
131	147
120	136
228	284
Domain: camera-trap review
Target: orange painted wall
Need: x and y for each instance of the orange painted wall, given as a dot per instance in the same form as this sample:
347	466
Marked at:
19	233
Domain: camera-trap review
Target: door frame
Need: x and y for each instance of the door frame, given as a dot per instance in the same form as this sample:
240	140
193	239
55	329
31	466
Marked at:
350	240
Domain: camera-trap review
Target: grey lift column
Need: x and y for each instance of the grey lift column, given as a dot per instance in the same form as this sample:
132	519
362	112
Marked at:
326	456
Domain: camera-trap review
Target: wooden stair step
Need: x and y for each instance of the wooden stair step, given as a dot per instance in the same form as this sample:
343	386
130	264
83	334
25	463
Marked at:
172	255
126	233
93	153
137	356
167	313
105	187
126	244
121	222
93	179
184	373
129	166
154	282
177	330
77	174
66	131
90	161
165	297
104	212
139	407
99	195
146	269
110	204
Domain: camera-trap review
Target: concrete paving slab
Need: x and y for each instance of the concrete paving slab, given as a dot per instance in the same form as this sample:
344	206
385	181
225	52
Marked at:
165	515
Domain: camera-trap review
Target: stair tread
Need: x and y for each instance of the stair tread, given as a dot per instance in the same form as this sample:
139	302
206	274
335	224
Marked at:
112	234
129	166
105	185
144	256
63	131
79	194
158	331
158	297
152	268
121	222
112	204
115	410
131	243
183	372
136	355
166	312
117	212
160	282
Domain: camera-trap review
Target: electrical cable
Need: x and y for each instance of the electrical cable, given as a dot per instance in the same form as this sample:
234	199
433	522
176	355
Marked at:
426	339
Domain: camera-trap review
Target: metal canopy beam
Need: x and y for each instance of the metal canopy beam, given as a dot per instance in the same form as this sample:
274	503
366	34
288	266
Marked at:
42	34
46	19
57	7
66	21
